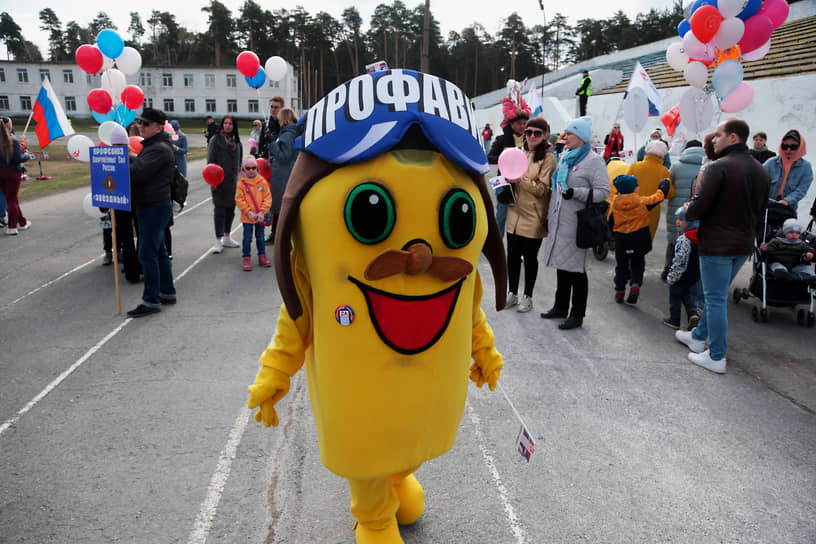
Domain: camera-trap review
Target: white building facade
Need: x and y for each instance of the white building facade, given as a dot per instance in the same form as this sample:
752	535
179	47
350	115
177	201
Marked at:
182	92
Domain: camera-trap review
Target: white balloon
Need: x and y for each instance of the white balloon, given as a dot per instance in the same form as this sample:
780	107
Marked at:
636	109
696	110
79	146
696	74
730	8
676	56
130	61
114	82
730	32
90	209
105	130
275	68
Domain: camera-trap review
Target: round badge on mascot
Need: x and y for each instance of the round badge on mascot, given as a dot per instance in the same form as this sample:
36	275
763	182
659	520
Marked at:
384	218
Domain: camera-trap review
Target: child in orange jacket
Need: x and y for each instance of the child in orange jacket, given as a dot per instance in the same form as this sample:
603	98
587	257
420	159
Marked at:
629	218
253	198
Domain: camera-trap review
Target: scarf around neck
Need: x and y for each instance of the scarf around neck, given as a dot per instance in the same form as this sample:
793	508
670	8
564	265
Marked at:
788	164
568	160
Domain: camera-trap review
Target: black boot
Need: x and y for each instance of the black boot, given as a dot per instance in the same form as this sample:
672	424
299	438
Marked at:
553	313
571	323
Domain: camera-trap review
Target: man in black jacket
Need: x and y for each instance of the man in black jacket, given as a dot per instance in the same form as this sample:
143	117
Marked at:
270	131
151	172
512	136
730	203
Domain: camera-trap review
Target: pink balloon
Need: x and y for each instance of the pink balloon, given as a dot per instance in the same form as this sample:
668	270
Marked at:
512	163
739	99
775	10
757	54
758	30
697	50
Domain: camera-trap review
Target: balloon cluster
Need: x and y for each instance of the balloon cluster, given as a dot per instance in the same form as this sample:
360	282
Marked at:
720	33
249	65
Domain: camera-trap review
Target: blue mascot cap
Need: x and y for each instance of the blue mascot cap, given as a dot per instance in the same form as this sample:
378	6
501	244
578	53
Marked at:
368	115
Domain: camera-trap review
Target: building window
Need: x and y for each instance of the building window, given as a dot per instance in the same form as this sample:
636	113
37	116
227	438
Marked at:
188	80
189	105
232	106
2	75
252	106
145	79
230	80
25	103
67	76
168	105
22	75
89	79
274	84
167	80
209	105
148	103
70	103
209	81
4	103
45	73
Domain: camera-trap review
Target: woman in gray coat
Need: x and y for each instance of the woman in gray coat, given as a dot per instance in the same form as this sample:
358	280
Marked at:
282	155
580	170
225	150
683	174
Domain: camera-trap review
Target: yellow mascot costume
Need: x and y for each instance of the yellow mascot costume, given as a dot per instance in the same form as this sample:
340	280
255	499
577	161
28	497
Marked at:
382	224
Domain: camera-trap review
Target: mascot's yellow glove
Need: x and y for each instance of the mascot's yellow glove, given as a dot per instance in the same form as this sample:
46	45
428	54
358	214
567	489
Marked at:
488	362
270	386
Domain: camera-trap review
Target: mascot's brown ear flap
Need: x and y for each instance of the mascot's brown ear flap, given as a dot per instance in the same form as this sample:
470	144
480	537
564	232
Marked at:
307	171
494	248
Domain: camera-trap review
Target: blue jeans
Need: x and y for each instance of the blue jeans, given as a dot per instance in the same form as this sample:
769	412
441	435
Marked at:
717	273
501	216
156	266
2	205
680	296
246	244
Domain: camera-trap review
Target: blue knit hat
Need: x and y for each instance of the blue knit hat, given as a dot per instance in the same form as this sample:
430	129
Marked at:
581	127
625	184
681	213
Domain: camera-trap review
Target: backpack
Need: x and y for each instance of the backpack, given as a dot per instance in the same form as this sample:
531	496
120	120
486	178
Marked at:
178	188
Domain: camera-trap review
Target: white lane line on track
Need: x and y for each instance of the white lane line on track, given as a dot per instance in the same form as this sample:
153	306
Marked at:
512	517
59	379
51	386
204	520
80	267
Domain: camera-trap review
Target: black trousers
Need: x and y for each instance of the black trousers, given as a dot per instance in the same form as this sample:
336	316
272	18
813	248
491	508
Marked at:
575	284
630	257
518	247
582	101
222	219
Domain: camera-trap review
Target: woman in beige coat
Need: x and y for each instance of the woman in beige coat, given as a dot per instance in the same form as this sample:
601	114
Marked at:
527	215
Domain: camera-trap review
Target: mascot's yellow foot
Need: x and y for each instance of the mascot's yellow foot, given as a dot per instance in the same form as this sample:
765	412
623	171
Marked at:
412	500
378	532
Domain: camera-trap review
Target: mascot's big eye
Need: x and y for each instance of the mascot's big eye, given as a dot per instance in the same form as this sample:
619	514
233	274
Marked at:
457	219
369	213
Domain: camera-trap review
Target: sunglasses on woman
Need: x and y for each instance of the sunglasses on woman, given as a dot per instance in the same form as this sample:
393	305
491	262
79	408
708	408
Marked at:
792	147
531	132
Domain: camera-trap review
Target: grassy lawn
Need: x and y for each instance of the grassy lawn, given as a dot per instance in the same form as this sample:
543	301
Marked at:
67	173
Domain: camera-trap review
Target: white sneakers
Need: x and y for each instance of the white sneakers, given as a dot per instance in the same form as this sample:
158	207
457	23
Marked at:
218	247
24	227
526	304
512	300
699	355
685	337
229	242
704	360
11	232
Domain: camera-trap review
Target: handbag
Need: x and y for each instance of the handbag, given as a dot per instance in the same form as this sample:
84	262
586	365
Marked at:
178	188
267	220
593	230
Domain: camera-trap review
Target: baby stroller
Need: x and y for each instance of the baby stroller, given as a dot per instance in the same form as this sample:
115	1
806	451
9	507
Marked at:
770	290
602	250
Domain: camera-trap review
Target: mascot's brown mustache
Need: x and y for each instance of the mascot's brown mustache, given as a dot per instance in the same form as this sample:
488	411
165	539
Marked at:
416	260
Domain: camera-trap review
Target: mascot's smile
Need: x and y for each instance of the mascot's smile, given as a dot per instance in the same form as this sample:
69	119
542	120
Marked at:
410	324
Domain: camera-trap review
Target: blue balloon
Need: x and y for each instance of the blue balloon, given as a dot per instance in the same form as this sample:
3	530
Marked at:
751	8
102	117
727	77
256	81
700	3
124	116
683	28
110	43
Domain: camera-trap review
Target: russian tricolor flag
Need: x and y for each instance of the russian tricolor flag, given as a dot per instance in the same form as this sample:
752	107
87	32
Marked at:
49	116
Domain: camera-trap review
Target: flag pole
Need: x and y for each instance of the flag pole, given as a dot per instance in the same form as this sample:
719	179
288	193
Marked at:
115	261
25	130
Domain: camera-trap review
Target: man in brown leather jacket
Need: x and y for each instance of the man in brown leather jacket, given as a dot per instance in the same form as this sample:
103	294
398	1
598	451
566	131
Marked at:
730	202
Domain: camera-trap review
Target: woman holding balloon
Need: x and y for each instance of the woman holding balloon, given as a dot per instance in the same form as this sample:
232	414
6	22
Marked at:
225	151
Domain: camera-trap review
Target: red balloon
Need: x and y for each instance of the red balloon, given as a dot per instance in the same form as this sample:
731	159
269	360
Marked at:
135	143
89	58
705	22
100	101
213	174
132	97
248	63
263	168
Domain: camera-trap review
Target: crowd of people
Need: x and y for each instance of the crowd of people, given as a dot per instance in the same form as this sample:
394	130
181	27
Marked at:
717	193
